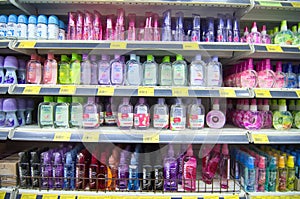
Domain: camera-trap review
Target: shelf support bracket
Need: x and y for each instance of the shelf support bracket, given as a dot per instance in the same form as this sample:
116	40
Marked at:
28	9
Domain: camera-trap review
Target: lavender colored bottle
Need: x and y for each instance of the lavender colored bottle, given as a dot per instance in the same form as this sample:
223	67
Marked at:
209	34
10	108
104	70
58	170
170	171
123	173
117	72
221	34
86	70
180	163
236	31
94	70
69	171
46	170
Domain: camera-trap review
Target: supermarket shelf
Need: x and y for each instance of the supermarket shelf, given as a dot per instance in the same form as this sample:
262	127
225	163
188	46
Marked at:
272	136
7	193
287	93
4	132
4	88
155	91
276	52
290	194
224	50
113	134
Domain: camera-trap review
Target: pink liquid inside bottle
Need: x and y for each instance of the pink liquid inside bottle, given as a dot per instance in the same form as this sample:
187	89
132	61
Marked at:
266	77
120	29
156	31
246	37
50	70
255	36
212	165
265	38
79	26
225	167
252	118
109	28
279	76
97	30
189	170
72	26
267	115
34	70
88	26
248	76
131	33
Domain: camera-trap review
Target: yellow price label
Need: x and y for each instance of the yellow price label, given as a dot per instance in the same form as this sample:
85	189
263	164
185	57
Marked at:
67	90
106	91
145	91
298	93
62	136
2	194
87	197
27	44
232	197
227	92
118	45
270	3
262	93
31	90
152	138
144	197
211	197
296	4
28	196
274	48
190	46
162	197
295	197
50	196
260	139
180	92
90	137
189	197
67	196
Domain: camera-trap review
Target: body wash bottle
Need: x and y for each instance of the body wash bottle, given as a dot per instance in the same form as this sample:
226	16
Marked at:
215	118
189	170
197	72
282	119
179	71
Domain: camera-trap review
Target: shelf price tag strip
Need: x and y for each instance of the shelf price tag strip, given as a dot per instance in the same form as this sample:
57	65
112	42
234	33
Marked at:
296	4
274	48
298	93
67	90
260	139
67	196
151	138
180	92
227	92
232	197
2	194
28	196
118	45
62	136
31	90
262	93
189	197
270	3
145	91
27	44
190	46
90	137
106	91
50	196
211	197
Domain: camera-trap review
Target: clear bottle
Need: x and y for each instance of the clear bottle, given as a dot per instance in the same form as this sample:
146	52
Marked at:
61	113
156	29
134	71
246	36
189	170
117	72
94	70
104	70
179	32
86	70
50	70
276	31
210	30
119	27
64	70
131	32
285	36
279	76
196	115
76	112
197	72
141	115
282	174
90	114
255	36
265	38
228	30
148	34
282	119
178	115
30	106
150	72
22	29
291	78
165	72
215	118
166	34
225	167
125	114
11	65
170	171
179	71
236	30
97	30
214	73
220	33
196	32
160	115
75	69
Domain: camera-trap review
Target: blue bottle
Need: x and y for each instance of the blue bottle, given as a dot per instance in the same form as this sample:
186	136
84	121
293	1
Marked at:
10	108
22	27
221	34
11	27
3	24
69	171
291	78
21	111
42	27
249	174
210	32
62	31
31	27
11	65
134	183
2	114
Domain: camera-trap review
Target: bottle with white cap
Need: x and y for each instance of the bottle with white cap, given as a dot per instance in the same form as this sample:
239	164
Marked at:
197	72
214	73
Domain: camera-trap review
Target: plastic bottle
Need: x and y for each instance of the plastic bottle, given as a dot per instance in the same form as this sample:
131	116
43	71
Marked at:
10	108
225	167
160	115
61	31
267	115
180	156
211	166
249	173
179	71
21	72
221	32
71	33
119	27
69	171
214	73
123	173
255	36
291	78
2	114
156	28
141	115
11	27
94	70
166	26
90	114
110	32
134	183
75	69
178	115
165	72
32	27
11	65
170	171
76	112
53	27
86	70
134	71
125	115
253	119
148	29
97	30
88	27
93	173
147	173
215	118
46	112
279	76
265	38
61	113
290	183
79	25
110	115
103	172
64	70
21	108
3	26
272	174
196	115
282	119
189	170
246	37
248	77
113	163
50	70
179	32
236	30
131	32
42	27
285	36
104	70
58	171
117	72
150	77
261	174
30	106
81	169
34	70
46	170
282	174
196	33
197	72
210	30
228	30
266	77
22	27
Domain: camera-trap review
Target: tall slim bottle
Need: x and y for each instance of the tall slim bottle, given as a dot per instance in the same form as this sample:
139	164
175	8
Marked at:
282	174
170	171
189	170
75	69
290	181
179	71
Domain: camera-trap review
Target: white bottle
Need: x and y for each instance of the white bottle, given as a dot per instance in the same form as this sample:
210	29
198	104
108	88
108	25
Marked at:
32	27
53	28
214	73
42	27
11	27
196	115
3	28
62	31
22	27
178	116
197	72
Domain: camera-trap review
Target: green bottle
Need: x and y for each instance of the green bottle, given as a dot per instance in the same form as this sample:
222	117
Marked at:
275	31
45	112
296	35
165	72
296	115
285	36
282	119
61	113
75	69
290	181
64	70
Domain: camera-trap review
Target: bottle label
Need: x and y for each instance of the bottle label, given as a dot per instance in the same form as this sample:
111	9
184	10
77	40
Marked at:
53	31
282	180
110	117
61	34
11	30
62	116
75	73
32	72
46	115
90	120
10	77
2	118
2	29
261	180
177	123
76	114
32	31
196	75
141	120
189	174
280	80
104	73
134	74
150	74
47	76
117	73
125	119
252	121
282	120
101	117
22	31
179	76
265	79
42	31
248	79
64	73
160	121
196	121
214	75
166	76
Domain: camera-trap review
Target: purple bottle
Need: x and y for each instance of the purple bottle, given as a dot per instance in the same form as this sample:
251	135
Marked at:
10	108
1	69
94	70
110	115
221	34
209	35
236	31
252	118
21	111
125	114
141	115
228	34
180	158
46	170
267	115
170	171
2	114
58	170
117	71
21	72
104	70
123	172
28	113
11	65
212	165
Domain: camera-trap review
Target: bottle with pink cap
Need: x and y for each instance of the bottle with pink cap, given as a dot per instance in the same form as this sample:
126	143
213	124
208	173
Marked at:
131	32
88	26
246	36
252	118
119	28
156	29
266	77
97	30
34	70
215	118
225	167
10	109
265	38
11	65
280	76
189	170
255	36
261	176
50	70
248	77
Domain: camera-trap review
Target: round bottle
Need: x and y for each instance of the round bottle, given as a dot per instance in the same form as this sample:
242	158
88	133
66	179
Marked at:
215	118
10	108
282	119
11	65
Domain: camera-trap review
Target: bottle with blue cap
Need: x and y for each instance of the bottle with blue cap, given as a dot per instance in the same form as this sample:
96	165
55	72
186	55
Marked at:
53	27
3	28
42	27
21	72
31	27
11	26
21	111
62	31
22	27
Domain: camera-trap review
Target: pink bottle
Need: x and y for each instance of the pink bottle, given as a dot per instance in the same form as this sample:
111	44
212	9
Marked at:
267	115
266	77
265	38
50	70
97	30
215	118
252	118
248	78
261	174
148	35
237	77
225	167
236	111
209	172
141	32
229	112
255	36
88	26
279	76
109	34
240	115
79	26
156	32
246	38
120	28
34	70
131	33
189	170
72	26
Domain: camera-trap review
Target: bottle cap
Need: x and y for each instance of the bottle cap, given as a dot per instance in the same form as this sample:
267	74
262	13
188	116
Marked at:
22	19
9	104
48	99
64	58
291	161
11	62
276	29
32	19
254	27
1	61
166	59
50	56
198	57
12	18
132	56
225	150
150	58
294	29
61	25
162	100
74	57
142	100
62	99
178	101
261	163
281	162
22	64
21	103
282	102
264	28
250	64
3	19
85	57
42	19
77	100
179	57
215	59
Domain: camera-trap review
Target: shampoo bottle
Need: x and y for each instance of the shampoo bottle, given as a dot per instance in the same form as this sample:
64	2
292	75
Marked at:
64	70
170	171
86	70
